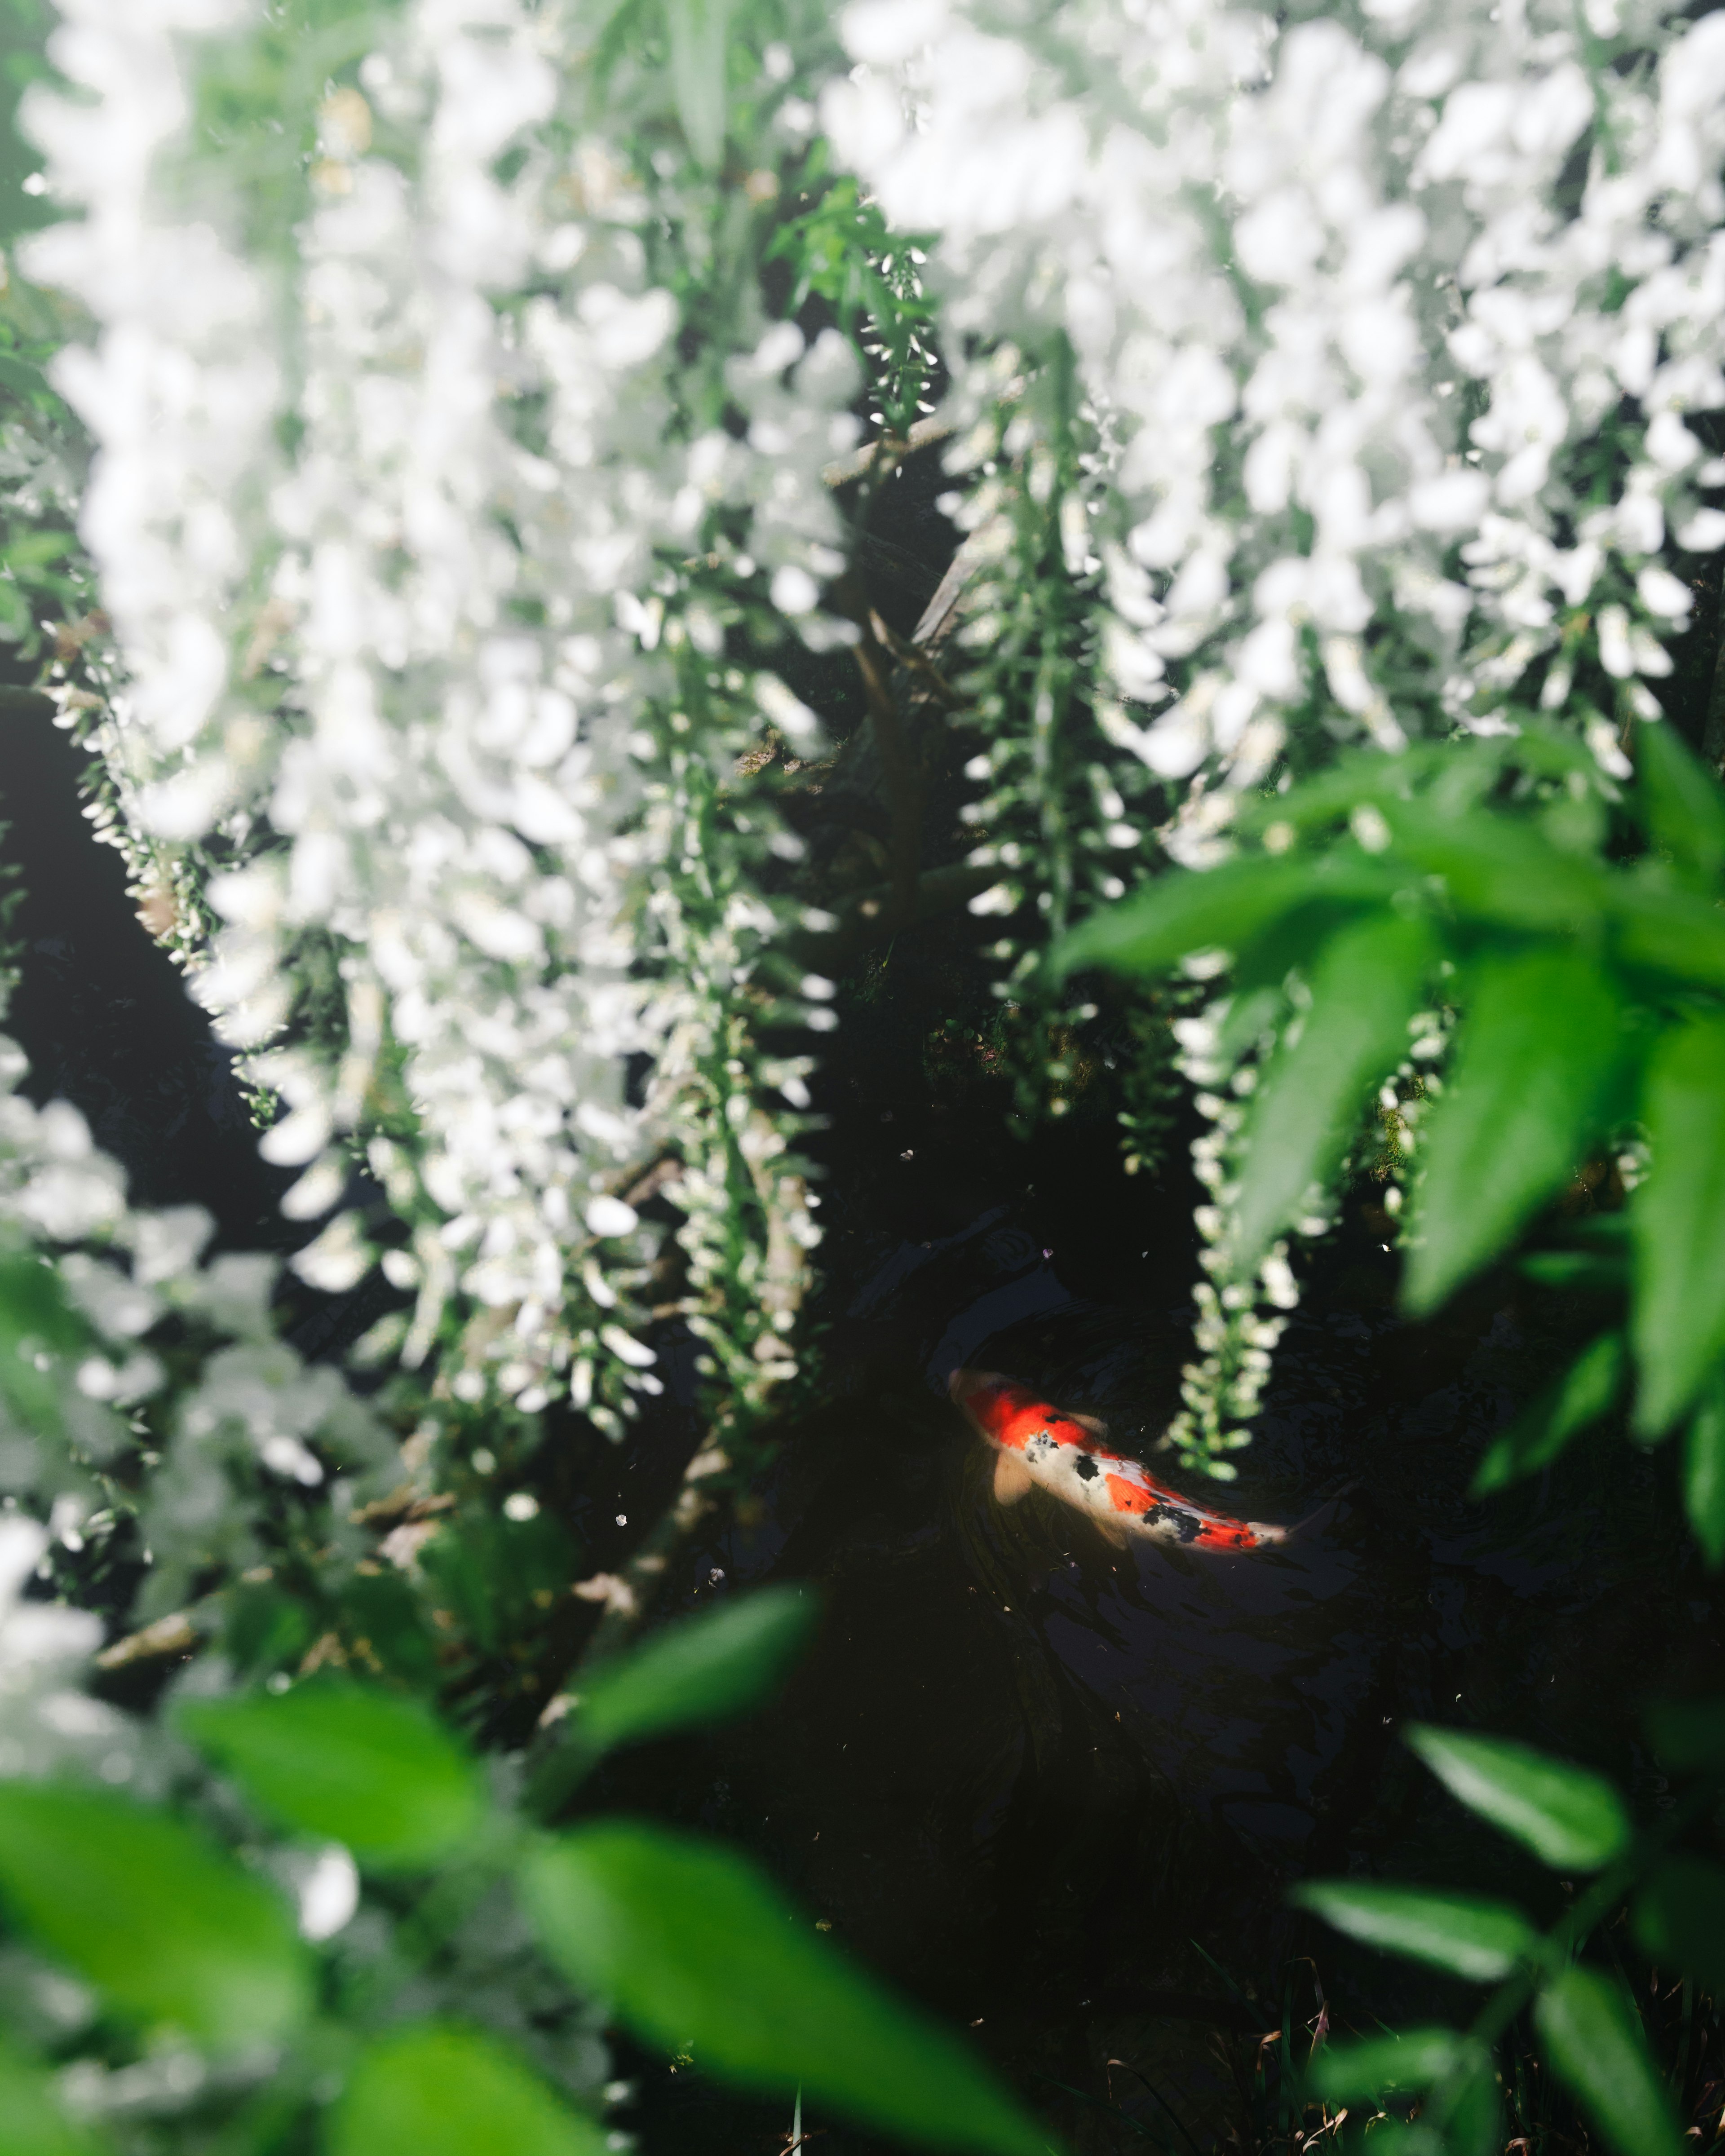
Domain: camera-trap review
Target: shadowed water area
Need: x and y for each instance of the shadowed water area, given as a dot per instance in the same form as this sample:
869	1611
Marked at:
1055	1790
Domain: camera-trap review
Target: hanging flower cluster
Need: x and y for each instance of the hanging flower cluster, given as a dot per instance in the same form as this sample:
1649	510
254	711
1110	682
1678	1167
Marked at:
1390	328
421	542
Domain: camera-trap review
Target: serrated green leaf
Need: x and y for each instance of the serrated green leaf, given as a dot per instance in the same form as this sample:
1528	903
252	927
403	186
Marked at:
1704	1473
151	1913
1347	2073
1570	1818
439	2088
1539	1054
1587	1390
1681	803
1225	908
1679	1919
700	1670
1468	1934
33	2120
1589	2033
691	1946
347	1761
1677	1223
1367	983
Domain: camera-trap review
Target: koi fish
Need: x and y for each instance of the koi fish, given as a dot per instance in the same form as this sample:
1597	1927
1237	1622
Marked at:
1037	1447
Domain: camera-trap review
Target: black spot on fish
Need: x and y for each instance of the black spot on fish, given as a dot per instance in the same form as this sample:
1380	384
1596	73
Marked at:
1087	1469
1186	1525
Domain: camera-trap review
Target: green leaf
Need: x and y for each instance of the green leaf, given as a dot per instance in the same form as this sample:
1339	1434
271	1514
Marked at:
1679	1919
348	1761
1222	908
1588	1389
1575	1272
1590	2035
1683	804
437	2088
151	1913
1467	1934
694	1948
1540	1049
32	2122
1497	870
1347	2073
1367	982
700	37
1688	1733
36	1319
701	1670
1704	1473
1571	1819
1676	933
1677	1223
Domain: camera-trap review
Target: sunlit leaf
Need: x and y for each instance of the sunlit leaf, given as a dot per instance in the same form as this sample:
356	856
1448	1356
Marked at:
1679	1919
1589	2033
33	2120
437	2088
1704	1473
349	1762
150	1912
1588	1389
1571	1819
1467	1934
691	1946
1366	985
1677	1217
700	1670
1539	1052
1683	804
1221	909
1345	2073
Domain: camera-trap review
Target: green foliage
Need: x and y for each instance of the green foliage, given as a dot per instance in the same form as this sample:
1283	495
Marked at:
702	1669
694	1950
35	2122
1589	2031
1572	1820
348	1762
1467	1934
162	1922
1582	989
439	2089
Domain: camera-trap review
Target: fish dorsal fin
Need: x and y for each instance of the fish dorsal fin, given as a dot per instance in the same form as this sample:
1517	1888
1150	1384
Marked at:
1012	1480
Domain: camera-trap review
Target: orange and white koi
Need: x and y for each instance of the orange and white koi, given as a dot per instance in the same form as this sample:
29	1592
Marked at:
1037	1447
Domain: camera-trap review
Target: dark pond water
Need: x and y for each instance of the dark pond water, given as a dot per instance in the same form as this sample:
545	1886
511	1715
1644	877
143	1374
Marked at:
1056	1791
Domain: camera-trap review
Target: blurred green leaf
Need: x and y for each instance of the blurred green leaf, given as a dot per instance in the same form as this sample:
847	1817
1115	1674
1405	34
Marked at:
692	1947
33	2121
1677	1219
351	1761
1588	2032
1588	1389
1679	1919
437	2088
151	1913
1681	803
1475	2121
1540	1048
1688	1733
700	1670
1218	909
1576	1272
700	35
1367	983
1674	932
36	1317
1704	1473
1498	870
1573	1820
1465	1933
1346	2073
